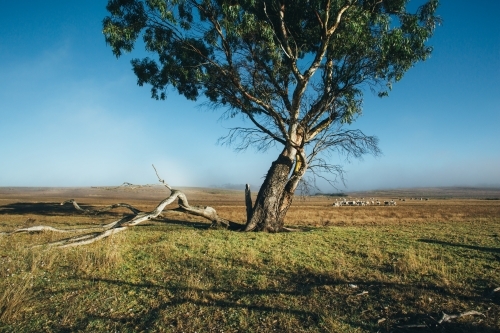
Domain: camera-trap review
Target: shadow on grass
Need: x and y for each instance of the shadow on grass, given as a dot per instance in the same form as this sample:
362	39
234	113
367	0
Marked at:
38	208
309	297
56	209
174	222
471	247
51	209
211	300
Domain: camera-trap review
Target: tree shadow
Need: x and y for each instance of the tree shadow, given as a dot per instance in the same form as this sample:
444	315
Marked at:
56	209
45	209
471	247
53	209
359	303
391	302
211	299
182	223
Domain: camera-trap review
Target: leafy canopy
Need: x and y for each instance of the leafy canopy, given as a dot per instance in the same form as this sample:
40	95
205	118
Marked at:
296	69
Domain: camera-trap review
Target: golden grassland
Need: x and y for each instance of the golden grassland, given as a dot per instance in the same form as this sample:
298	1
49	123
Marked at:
351	269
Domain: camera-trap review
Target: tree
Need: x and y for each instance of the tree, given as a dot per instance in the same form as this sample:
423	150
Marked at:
296	70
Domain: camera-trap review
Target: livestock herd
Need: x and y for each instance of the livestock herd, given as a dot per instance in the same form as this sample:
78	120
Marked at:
368	202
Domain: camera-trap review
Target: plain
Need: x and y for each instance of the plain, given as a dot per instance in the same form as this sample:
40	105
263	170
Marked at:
350	269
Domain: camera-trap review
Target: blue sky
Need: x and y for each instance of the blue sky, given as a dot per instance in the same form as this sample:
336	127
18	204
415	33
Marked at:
71	114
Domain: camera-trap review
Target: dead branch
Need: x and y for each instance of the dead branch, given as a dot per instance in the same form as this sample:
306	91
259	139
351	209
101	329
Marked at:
414	326
492	294
248	202
86	239
445	319
161	180
102	210
203	211
129	220
42	228
286	229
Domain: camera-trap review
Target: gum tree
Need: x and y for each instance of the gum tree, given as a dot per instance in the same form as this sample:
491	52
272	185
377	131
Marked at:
295	70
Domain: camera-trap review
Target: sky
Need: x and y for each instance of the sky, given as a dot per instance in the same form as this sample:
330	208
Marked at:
72	114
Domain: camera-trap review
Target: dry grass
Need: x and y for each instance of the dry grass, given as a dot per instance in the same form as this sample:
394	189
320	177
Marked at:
353	269
319	212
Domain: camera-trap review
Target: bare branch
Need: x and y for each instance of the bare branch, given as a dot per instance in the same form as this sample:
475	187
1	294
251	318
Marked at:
161	180
42	228
102	210
446	317
247	137
129	220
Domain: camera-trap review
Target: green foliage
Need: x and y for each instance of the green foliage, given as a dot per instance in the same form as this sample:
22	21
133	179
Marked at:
243	54
291	68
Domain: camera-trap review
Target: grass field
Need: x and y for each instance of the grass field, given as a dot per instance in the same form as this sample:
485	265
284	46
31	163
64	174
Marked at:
352	269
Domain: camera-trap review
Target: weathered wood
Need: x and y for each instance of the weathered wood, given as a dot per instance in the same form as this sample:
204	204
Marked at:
248	202
446	317
496	290
101	210
130	220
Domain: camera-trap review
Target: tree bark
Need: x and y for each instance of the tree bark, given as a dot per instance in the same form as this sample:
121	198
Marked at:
248	203
273	198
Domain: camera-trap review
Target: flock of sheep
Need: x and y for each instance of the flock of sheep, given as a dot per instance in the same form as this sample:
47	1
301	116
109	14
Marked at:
370	201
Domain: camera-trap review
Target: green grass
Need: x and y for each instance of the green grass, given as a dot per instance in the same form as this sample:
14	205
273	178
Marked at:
176	278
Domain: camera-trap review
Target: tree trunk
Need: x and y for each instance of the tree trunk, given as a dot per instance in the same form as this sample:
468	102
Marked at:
275	195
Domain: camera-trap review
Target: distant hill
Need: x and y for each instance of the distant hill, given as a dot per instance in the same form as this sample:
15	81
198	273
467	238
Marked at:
235	187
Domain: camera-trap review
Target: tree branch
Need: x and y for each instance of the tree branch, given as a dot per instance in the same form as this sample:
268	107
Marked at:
102	210
129	220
